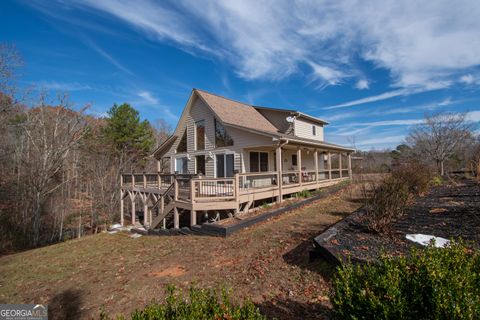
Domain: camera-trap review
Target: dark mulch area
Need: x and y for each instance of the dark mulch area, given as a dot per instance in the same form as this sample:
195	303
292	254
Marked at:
448	211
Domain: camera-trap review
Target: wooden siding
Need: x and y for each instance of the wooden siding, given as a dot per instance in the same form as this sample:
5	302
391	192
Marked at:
303	129
241	138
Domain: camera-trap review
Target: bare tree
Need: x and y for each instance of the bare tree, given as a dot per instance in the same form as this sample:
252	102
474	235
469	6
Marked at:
50	134
439	137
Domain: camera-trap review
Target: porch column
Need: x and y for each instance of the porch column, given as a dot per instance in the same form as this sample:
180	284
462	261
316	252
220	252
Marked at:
158	166
278	152
299	163
350	165
145	209
329	160
340	163
315	154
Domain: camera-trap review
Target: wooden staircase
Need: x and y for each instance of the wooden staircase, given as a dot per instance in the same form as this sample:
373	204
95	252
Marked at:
165	204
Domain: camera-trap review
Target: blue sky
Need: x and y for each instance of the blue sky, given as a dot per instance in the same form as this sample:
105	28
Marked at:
370	68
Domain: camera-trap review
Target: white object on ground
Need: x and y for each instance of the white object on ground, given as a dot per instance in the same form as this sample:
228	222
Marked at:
113	231
116	226
135	235
425	239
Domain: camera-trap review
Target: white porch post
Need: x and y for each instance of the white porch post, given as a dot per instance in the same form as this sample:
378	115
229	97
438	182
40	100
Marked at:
350	165
133	209
315	154
340	163
176	218
299	163
329	160
278	160
158	166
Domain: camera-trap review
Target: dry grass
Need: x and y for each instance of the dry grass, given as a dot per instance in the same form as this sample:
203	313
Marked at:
267	263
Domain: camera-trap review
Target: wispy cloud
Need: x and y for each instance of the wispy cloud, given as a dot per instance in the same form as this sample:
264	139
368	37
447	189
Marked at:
62	86
396	139
420	44
378	97
148	97
105	54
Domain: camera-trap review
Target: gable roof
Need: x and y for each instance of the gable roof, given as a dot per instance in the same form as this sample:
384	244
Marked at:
295	113
236	113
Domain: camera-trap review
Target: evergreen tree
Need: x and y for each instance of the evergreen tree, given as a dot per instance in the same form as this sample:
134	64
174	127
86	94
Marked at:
126	134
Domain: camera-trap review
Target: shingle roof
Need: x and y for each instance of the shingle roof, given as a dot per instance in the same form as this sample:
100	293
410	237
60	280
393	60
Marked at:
236	113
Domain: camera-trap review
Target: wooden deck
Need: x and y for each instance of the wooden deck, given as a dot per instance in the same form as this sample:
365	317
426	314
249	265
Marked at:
162	195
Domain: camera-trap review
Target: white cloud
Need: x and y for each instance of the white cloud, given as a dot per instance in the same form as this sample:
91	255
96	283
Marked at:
467	79
420	43
327	75
362	84
148	97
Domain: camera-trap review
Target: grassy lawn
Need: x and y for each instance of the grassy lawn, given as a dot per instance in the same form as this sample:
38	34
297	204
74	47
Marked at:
267	263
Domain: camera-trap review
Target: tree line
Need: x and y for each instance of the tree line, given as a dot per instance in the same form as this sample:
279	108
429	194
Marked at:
60	165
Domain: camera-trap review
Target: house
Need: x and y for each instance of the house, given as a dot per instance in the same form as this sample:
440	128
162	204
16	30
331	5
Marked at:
226	156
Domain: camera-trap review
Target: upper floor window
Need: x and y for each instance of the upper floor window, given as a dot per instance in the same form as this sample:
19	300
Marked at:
182	145
200	135
222	139
314	130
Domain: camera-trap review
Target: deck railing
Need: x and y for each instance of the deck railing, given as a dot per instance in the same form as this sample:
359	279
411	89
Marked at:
218	189
192	187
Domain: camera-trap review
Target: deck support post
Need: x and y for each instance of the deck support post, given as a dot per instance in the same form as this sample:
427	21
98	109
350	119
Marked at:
329	160
350	165
315	155
176	218
122	222
299	163
133	209
278	160
121	200
340	164
145	209
193	218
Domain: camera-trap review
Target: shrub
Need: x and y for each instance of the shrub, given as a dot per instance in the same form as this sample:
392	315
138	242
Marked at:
200	304
432	283
415	176
436	181
387	201
304	194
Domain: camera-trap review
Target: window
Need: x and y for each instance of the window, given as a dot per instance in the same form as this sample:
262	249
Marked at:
222	139
224	165
182	145
200	164
294	159
200	135
258	161
181	165
314	130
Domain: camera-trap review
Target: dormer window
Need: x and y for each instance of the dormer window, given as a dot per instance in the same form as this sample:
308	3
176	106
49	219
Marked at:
314	130
200	135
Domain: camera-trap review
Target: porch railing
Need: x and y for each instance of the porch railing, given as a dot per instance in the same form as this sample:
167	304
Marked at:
218	189
257	180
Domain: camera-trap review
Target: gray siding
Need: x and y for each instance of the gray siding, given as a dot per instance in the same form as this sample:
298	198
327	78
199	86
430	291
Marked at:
278	119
